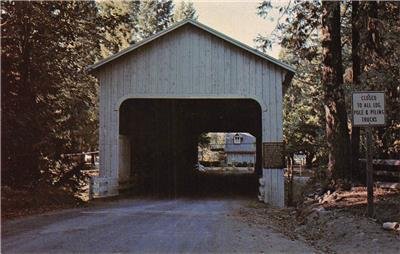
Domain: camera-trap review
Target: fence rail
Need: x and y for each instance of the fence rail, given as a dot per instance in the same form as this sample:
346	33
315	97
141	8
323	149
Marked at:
386	172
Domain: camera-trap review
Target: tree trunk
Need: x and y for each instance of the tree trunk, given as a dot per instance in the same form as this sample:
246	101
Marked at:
337	132
309	159
355	57
373	36
26	155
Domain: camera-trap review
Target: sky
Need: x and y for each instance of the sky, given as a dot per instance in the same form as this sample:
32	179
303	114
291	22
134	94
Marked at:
237	19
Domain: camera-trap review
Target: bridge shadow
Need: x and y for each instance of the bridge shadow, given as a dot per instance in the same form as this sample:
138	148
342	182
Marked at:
205	184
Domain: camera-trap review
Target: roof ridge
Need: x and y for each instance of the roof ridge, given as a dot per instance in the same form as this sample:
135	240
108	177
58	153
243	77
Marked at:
199	25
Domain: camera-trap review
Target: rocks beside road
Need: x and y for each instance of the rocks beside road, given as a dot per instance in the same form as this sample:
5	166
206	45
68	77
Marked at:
334	221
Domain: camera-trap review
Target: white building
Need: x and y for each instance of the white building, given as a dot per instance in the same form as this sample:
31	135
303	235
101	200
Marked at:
240	148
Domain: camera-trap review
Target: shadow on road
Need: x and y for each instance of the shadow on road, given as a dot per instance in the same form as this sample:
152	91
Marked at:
206	184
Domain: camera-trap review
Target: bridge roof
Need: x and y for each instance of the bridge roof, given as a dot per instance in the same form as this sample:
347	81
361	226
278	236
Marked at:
245	47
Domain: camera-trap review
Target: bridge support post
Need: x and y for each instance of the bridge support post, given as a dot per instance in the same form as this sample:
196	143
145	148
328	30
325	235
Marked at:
124	157
101	187
106	184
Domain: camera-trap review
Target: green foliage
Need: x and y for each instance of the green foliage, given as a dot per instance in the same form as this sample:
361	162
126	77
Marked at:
379	57
118	20
185	10
298	33
380	70
49	103
303	111
304	122
297	27
153	17
204	140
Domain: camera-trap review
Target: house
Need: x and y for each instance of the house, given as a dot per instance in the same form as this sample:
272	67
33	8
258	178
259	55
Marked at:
240	149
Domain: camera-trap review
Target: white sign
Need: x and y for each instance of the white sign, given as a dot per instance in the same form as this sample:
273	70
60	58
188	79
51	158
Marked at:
368	108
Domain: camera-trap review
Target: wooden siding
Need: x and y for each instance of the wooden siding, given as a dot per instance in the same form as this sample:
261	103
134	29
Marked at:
186	63
274	187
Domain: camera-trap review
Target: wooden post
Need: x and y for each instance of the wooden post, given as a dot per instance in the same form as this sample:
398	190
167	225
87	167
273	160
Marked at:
273	167
370	181
290	178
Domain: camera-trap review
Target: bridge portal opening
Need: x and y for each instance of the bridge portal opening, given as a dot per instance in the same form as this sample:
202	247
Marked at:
158	144
227	153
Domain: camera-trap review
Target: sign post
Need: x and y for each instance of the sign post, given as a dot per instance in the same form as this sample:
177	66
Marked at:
368	110
370	173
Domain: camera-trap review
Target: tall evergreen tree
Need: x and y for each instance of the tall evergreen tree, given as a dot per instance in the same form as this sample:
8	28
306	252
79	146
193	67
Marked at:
356	71
369	65
304	118
185	10
49	103
379	68
337	133
118	21
153	17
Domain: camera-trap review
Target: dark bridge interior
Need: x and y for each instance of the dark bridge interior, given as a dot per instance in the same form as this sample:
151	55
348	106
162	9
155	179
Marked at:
164	133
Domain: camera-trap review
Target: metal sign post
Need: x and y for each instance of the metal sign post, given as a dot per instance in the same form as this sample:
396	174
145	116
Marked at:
368	110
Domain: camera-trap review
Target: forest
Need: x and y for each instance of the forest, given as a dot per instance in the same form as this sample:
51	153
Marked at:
337	48
49	101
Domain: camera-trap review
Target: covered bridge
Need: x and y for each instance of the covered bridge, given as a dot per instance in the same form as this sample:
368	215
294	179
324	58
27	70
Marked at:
159	95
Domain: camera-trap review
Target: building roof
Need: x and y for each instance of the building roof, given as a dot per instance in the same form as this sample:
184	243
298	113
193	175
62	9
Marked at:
226	38
247	145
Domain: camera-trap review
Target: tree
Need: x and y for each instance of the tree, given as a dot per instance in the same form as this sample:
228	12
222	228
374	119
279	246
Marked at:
153	17
368	65
49	103
117	20
296	29
299	35
303	116
356	71
303	111
379	64
204	140
334	101
185	10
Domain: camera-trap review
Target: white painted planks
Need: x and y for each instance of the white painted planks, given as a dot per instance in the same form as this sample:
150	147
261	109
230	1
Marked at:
274	187
187	63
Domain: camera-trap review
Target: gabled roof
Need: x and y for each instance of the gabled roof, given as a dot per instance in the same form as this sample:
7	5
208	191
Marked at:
201	26
248	144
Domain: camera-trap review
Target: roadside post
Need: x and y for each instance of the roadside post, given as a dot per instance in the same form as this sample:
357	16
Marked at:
368	111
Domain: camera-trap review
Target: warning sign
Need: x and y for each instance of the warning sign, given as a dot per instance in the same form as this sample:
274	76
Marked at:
368	108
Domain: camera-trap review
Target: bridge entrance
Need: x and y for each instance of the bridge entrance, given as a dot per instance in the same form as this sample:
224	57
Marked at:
159	144
158	95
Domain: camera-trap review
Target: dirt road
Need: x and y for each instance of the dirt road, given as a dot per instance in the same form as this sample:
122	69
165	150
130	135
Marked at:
146	226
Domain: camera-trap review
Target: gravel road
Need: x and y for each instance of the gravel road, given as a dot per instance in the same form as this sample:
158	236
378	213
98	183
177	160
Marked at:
146	226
